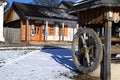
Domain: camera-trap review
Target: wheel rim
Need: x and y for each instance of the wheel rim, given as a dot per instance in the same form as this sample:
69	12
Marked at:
86	50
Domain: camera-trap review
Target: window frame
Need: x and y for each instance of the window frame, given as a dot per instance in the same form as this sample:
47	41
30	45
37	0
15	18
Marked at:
51	29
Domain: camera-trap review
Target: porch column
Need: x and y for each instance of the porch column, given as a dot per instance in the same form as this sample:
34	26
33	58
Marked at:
63	31
57	32
77	27
1	22
46	29
27	30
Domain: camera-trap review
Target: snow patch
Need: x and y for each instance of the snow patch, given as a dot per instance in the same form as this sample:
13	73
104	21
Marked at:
46	64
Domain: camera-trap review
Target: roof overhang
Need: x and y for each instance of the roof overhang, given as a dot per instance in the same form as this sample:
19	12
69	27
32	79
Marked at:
50	19
91	4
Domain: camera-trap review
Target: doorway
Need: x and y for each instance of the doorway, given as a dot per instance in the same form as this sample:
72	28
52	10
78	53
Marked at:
36	32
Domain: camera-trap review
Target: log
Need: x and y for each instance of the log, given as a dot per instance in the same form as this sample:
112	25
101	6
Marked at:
115	49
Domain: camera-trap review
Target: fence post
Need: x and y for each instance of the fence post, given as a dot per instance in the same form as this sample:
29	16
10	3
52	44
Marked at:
107	47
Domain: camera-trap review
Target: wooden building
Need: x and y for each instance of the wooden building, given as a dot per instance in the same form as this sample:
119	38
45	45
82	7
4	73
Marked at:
94	14
2	1
66	5
29	22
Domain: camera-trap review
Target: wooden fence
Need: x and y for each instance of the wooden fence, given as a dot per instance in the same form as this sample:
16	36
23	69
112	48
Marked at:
12	35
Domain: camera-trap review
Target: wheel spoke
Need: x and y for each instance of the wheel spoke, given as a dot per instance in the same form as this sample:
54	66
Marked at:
86	49
91	47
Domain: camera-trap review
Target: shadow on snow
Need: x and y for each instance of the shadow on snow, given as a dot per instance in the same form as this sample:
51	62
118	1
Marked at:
61	55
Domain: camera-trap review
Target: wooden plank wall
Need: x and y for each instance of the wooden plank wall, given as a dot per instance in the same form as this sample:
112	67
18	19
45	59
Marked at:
93	16
12	35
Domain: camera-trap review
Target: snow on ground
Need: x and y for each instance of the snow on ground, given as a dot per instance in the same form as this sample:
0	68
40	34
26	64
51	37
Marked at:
43	64
8	56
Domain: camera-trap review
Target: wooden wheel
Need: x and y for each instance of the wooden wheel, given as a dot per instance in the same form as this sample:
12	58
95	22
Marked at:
87	50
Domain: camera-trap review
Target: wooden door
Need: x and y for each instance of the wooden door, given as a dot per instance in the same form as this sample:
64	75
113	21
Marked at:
36	33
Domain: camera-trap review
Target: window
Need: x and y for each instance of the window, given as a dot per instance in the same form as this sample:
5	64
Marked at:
60	31
32	30
65	31
52	30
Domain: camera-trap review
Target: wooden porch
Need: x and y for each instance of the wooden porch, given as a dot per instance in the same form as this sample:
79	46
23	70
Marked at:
50	43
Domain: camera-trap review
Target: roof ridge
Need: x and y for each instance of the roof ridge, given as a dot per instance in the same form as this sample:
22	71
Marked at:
36	5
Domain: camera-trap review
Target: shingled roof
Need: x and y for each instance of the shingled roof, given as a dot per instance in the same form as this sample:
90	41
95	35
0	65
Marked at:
89	4
30	10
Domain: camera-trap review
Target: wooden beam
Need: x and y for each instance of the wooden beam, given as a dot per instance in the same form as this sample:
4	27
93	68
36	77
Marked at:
107	46
107	60
54	20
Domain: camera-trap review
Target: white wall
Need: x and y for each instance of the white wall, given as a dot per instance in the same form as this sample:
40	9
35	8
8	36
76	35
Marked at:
72	29
1	23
